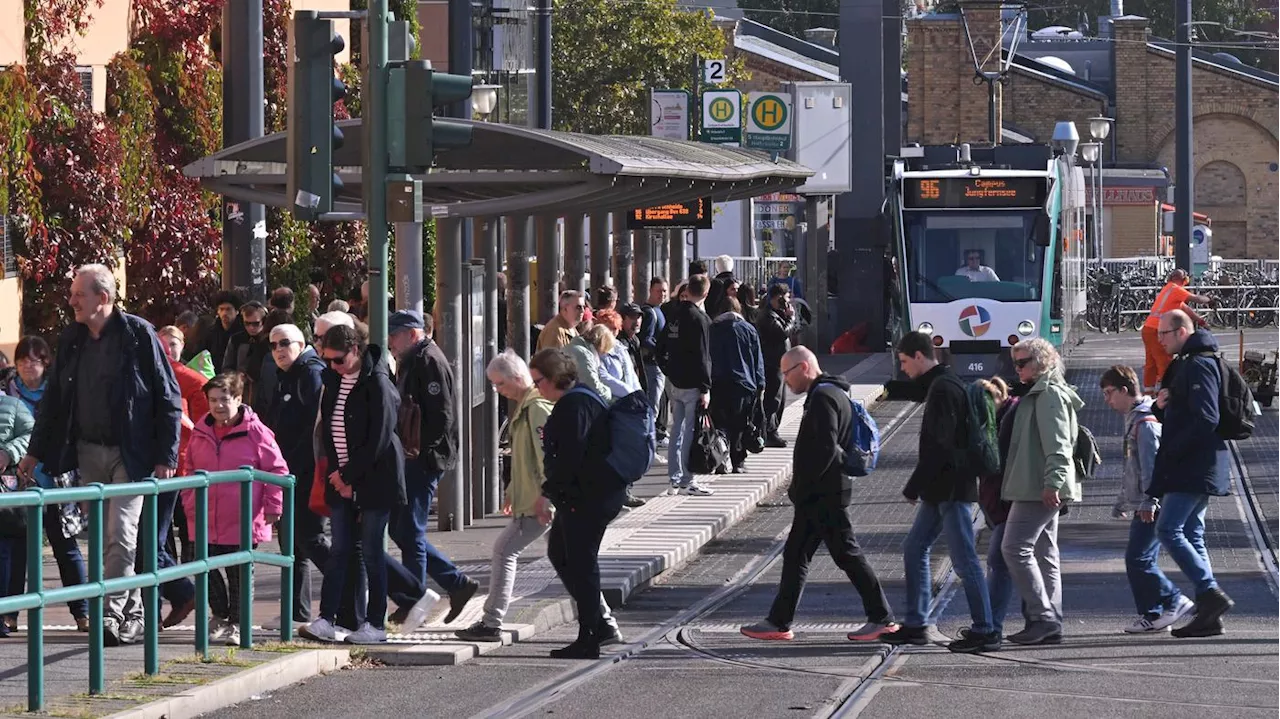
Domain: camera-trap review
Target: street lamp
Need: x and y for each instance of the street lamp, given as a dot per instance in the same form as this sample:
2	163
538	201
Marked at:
1099	129
484	98
1090	153
1066	138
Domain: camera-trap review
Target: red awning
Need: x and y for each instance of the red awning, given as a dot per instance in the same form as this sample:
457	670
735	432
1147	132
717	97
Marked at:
1196	216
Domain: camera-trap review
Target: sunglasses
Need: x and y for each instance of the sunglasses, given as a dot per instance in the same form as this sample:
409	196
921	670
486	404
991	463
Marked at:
258	323
281	344
337	361
1023	362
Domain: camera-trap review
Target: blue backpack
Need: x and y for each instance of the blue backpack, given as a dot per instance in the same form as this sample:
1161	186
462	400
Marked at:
632	440
862	450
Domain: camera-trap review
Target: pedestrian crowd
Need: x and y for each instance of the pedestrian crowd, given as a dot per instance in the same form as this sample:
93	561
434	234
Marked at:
1175	458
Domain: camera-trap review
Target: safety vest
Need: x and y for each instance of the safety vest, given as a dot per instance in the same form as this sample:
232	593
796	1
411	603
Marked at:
1171	297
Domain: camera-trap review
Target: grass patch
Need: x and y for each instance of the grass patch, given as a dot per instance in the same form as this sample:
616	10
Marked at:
143	679
278	647
227	658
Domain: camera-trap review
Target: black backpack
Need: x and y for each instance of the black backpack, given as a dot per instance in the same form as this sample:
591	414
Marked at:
1235	401
1086	455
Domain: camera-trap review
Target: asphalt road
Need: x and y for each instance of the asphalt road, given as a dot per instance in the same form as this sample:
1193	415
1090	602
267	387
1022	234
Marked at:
705	668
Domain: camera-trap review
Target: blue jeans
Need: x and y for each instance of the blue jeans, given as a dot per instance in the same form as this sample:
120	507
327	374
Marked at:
349	526
66	552
684	405
1153	593
409	530
999	581
1180	526
179	591
654	380
956	519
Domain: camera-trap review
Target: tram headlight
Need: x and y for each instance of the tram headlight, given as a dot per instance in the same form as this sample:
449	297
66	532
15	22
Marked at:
926	327
1026	327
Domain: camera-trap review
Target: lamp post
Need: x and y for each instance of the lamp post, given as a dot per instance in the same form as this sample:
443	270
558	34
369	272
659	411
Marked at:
1099	129
1090	153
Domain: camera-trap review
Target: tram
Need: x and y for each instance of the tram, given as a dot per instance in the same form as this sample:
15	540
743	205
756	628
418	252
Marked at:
989	250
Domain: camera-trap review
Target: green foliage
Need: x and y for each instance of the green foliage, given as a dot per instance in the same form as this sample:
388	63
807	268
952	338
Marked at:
793	16
606	55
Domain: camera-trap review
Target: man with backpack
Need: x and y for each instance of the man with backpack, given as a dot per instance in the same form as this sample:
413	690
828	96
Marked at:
954	442
1192	463
821	491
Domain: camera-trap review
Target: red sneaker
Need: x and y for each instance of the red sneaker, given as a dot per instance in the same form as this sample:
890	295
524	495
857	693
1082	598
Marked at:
766	630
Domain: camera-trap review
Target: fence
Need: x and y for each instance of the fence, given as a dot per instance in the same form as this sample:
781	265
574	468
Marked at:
755	271
97	588
1161	266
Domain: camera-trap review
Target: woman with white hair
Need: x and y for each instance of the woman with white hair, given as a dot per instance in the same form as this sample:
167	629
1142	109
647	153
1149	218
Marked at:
530	511
1039	475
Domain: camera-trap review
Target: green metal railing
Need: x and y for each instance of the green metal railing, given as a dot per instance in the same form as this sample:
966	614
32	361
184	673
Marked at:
150	579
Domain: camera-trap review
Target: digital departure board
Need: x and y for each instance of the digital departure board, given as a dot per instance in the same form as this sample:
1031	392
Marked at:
966	192
693	215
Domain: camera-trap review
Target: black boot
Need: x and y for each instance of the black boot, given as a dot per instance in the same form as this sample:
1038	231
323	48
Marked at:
1210	606
584	647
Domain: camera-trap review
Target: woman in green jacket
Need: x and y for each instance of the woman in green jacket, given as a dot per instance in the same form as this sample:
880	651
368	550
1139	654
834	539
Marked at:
1039	476
16	424
530	511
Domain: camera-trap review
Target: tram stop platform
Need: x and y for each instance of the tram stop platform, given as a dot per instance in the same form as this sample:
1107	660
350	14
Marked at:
638	547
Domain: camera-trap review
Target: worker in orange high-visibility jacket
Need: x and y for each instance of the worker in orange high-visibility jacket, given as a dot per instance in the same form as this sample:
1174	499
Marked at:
1173	296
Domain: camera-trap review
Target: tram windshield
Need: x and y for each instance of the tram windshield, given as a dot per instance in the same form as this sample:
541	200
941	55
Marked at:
962	254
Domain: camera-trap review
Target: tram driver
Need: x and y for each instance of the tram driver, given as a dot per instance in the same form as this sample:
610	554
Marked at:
975	270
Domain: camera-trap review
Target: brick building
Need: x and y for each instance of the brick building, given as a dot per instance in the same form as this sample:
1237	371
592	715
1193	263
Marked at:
1061	74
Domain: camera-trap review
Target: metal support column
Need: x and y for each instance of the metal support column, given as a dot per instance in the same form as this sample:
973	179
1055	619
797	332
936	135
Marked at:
814	269
542	66
244	226
373	94
408	280
548	268
643	269
492	470
599	250
679	266
623	247
451	507
575	253
1184	159
519	245
861	236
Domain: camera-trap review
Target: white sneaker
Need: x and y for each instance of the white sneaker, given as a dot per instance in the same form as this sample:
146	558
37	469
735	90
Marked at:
232	637
1142	625
218	629
673	490
659	458
1171	616
694	489
367	634
418	613
320	630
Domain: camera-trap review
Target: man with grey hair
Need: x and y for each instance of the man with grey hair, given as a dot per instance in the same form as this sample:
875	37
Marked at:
561	329
124	428
331	319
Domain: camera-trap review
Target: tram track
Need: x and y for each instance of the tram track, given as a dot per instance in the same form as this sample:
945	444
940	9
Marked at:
1256	519
668	632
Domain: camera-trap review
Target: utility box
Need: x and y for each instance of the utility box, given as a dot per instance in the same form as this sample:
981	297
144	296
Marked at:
404	199
822	135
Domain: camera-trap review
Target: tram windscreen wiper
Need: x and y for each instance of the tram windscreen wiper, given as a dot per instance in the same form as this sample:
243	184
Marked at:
945	295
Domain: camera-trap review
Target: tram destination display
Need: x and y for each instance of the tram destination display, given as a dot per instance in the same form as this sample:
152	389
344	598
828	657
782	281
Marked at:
695	214
974	192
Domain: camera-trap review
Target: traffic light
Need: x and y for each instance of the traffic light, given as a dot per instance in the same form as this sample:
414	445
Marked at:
417	135
313	137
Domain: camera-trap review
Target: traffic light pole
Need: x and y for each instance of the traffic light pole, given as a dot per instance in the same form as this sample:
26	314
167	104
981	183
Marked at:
244	224
374	100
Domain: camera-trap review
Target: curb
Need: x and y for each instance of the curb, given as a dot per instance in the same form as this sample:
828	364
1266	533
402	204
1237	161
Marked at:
617	585
242	686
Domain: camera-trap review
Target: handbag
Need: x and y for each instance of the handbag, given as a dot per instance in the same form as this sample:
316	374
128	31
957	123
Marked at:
72	519
710	451
409	426
13	520
316	502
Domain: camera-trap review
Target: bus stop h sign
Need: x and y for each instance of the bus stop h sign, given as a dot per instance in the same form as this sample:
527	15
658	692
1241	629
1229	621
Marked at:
769	122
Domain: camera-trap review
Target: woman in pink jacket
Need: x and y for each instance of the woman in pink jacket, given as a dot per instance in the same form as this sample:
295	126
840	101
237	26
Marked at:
230	437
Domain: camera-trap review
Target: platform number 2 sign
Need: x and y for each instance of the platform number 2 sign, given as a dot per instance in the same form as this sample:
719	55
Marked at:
713	71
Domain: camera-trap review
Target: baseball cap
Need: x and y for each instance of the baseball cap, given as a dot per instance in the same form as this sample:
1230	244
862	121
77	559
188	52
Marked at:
630	309
404	320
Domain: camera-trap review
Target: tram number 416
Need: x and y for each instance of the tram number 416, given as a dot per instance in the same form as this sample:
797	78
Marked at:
977	367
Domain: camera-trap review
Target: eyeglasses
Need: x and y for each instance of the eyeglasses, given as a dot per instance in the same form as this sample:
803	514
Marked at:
337	361
1108	391
537	380
1162	333
788	370
974	257
1023	362
281	344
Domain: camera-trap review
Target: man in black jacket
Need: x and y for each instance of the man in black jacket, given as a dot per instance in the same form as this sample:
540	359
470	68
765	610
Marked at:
945	487
821	493
123	426
247	349
425	379
226	323
774	327
684	354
